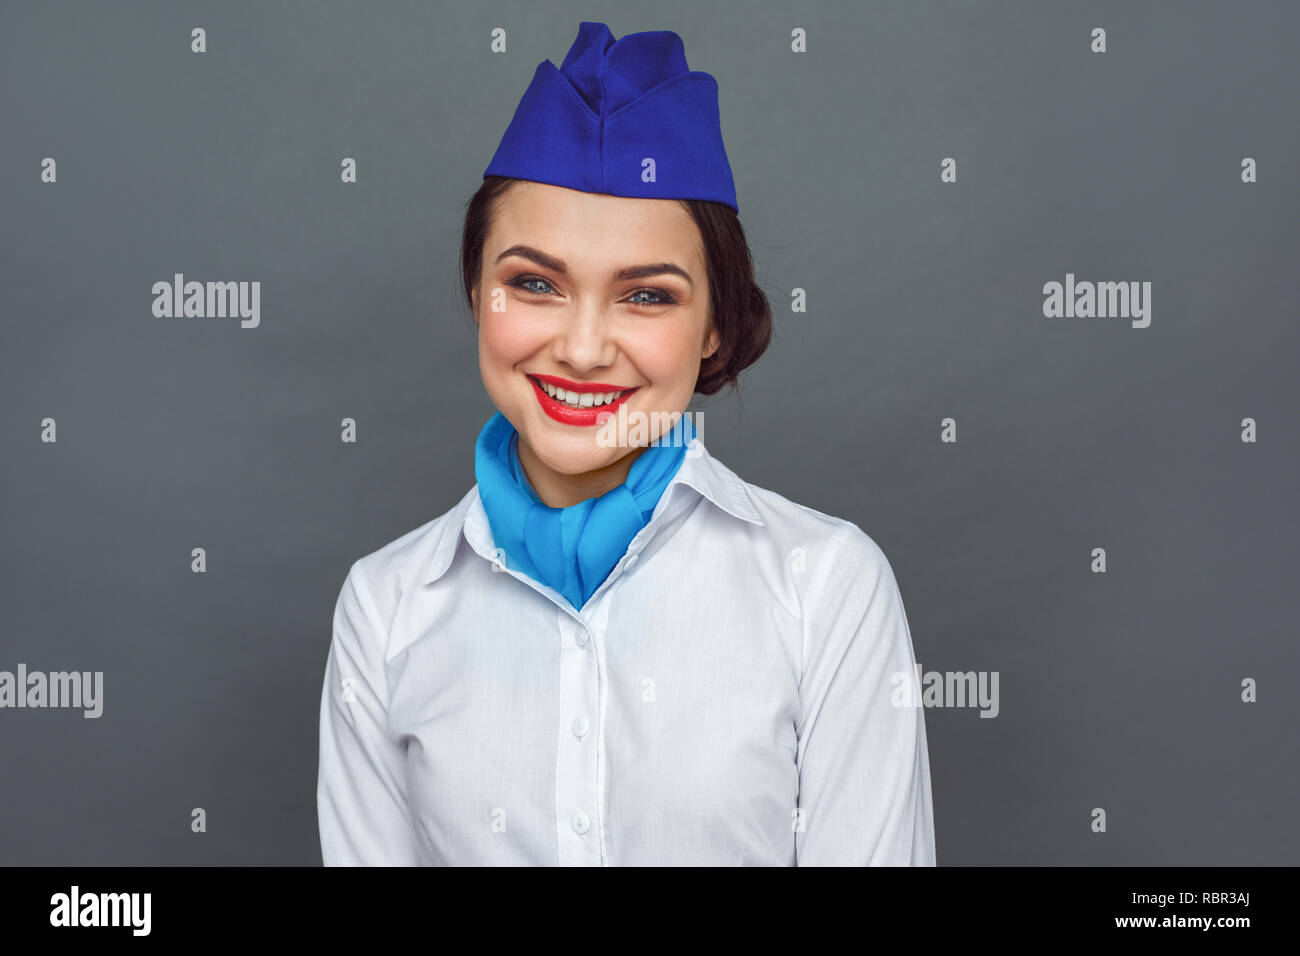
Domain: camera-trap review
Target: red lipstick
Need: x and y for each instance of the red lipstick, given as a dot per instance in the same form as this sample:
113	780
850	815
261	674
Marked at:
578	386
568	415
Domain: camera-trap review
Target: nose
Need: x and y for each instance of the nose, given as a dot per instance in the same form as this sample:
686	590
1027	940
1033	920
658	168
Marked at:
585	341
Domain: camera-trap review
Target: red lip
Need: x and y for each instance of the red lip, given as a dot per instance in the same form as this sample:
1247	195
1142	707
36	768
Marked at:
579	387
577	416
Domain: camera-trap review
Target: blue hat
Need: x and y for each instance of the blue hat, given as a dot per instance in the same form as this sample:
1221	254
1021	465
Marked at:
616	114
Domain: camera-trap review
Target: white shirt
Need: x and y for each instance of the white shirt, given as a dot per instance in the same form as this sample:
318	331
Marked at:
723	699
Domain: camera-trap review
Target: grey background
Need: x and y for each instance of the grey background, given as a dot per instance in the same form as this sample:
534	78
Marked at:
1118	690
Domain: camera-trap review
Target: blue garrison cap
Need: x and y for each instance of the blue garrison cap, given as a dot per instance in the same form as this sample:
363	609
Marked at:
612	105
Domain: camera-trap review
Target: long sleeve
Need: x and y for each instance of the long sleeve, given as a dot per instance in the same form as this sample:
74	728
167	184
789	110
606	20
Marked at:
864	772
360	793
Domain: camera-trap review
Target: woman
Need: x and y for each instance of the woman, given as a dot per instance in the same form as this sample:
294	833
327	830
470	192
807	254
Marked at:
614	651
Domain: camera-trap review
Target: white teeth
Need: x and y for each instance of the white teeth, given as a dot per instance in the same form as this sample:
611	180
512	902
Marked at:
578	399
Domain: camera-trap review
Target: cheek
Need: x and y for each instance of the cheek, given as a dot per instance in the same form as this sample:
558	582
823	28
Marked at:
670	361
504	342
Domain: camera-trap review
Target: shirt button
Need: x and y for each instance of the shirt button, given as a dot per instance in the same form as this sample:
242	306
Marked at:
580	823
581	638
581	726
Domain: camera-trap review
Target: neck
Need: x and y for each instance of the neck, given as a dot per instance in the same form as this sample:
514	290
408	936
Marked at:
559	490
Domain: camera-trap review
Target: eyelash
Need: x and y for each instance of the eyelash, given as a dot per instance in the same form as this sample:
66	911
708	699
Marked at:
522	282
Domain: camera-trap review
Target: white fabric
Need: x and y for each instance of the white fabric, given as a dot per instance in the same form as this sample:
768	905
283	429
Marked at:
726	698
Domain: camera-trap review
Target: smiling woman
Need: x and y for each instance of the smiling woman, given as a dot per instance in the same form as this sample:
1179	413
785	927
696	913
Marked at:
618	652
620	316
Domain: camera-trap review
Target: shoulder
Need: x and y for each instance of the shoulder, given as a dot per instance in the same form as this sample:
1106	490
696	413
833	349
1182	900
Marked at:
812	559
401	565
839	579
812	539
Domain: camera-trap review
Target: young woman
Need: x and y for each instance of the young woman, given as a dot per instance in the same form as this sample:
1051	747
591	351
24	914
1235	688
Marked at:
613	650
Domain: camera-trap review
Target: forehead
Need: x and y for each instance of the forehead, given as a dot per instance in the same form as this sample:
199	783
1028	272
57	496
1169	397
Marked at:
595	231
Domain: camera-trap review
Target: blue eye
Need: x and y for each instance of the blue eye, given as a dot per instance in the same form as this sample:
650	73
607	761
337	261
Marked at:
524	282
532	283
661	298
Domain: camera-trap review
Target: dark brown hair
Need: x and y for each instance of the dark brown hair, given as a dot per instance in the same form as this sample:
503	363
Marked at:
739	310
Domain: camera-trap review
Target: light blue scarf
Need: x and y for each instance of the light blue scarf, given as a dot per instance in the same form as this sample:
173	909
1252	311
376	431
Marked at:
570	549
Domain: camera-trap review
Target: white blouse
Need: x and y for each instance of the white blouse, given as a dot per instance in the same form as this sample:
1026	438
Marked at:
726	698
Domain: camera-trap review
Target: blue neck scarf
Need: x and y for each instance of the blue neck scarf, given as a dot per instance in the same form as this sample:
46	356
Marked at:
570	549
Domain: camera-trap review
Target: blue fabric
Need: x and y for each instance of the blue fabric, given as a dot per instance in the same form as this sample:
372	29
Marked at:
570	549
612	104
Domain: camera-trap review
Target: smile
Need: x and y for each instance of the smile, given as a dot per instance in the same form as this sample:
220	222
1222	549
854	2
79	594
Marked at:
577	403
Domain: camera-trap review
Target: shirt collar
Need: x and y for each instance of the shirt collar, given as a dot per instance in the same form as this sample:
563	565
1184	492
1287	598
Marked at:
699	471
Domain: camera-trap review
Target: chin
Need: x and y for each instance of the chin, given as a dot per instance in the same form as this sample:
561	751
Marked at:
570	451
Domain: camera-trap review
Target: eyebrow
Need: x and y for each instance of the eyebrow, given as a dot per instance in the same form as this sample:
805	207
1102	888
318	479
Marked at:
627	272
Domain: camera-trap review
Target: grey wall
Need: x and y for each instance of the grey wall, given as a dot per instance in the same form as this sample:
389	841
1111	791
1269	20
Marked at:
1119	690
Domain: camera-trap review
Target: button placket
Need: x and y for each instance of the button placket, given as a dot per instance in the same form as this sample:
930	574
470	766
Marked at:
576	761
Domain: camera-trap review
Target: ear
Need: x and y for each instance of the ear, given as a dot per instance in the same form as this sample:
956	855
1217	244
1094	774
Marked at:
473	304
711	343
